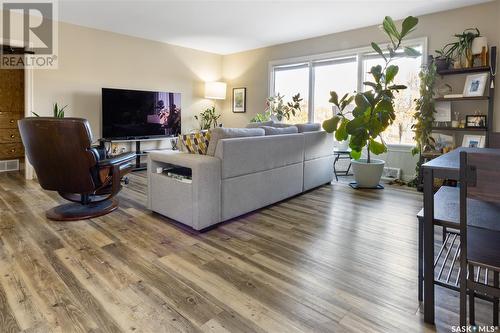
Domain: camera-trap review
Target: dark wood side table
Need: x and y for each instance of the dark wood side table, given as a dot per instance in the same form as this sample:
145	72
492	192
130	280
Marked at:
446	166
341	155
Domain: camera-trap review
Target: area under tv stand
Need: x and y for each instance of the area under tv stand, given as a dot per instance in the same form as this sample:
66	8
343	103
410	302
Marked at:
138	165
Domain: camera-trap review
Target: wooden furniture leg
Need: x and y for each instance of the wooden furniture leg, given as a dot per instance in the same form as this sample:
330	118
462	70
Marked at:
428	246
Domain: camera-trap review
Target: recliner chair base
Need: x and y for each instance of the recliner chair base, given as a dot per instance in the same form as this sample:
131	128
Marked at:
77	211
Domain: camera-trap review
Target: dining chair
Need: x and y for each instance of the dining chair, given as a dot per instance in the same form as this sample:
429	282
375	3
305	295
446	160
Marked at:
479	243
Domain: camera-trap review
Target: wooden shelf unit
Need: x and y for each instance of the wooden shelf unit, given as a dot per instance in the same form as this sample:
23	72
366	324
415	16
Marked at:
471	70
489	97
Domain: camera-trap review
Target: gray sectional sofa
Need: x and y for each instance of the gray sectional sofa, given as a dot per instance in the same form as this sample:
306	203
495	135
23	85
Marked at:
245	174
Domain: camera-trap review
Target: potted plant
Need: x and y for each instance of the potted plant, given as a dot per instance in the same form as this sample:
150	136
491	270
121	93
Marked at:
442	60
461	49
58	112
374	108
278	110
208	119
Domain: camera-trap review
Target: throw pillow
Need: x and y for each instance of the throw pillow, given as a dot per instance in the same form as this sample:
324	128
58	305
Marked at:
220	133
278	131
255	125
196	142
308	127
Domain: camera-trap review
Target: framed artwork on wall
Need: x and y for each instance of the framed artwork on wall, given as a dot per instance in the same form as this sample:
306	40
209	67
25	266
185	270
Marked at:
239	100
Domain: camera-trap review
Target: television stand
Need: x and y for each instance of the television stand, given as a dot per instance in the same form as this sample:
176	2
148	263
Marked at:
138	151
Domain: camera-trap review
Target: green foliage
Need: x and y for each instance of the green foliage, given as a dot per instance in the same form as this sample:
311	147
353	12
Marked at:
57	111
374	109
424	115
277	107
208	119
261	117
424	111
461	46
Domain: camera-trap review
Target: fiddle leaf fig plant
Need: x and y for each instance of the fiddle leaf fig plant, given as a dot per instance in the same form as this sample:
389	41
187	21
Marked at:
374	108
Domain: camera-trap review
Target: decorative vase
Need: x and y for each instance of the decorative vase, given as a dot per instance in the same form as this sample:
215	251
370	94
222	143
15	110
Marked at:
367	175
477	45
469	58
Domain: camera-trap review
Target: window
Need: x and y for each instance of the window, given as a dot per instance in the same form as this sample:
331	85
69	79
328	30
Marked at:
289	81
315	76
331	75
400	131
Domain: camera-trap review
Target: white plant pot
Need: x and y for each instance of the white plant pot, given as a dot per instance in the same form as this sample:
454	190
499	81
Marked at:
343	145
367	174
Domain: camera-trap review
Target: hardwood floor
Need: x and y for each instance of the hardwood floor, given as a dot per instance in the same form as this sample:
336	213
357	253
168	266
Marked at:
330	260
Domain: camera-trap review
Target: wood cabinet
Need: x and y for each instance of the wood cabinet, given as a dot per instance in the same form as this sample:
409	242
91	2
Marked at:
11	110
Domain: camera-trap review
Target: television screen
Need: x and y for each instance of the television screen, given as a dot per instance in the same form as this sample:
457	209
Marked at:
134	114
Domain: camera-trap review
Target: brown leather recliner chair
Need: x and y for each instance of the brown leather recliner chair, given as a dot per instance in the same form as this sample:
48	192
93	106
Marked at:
61	152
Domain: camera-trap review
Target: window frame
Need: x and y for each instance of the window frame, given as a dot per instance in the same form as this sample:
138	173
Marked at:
359	54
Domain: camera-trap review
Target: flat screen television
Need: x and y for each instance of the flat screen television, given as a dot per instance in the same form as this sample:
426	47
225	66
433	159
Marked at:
135	114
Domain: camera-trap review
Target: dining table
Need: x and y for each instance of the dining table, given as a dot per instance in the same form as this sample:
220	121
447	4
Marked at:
446	166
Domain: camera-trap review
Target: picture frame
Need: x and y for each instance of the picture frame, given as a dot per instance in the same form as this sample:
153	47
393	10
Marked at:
475	121
475	85
474	141
239	100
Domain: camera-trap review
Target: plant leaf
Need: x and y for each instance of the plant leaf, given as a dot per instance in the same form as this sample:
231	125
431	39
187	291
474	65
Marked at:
355	154
330	125
397	87
341	133
411	52
334	98
361	102
378	50
390	73
390	29
377	148
408	25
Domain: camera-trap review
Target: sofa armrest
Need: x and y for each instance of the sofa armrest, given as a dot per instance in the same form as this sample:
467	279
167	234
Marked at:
206	183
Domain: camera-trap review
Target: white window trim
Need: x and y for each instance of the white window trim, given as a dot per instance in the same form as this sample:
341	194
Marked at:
358	53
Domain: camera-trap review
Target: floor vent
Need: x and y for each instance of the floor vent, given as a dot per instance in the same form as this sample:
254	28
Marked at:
9	165
391	173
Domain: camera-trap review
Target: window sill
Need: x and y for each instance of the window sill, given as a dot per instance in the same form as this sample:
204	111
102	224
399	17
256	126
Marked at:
400	148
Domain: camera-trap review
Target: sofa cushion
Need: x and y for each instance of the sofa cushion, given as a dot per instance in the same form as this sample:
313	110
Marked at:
317	144
220	133
242	156
308	127
259	124
195	143
277	131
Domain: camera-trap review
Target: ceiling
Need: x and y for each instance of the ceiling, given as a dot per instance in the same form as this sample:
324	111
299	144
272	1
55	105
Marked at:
225	27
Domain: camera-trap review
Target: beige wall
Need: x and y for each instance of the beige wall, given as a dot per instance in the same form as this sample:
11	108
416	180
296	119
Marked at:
90	59
250	69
